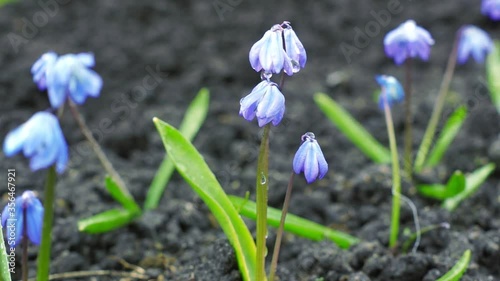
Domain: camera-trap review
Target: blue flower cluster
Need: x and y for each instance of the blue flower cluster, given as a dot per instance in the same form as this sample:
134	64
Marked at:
278	50
41	138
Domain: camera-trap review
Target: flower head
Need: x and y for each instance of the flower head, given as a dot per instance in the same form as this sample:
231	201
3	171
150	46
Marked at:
408	41
41	140
68	75
392	91
491	8
309	159
473	41
27	211
265	102
40	67
268	53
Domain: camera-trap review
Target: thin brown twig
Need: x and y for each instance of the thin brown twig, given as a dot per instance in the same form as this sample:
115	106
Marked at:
89	273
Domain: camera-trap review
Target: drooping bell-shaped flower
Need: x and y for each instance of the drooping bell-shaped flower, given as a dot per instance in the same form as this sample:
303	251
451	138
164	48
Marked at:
392	92
491	8
278	50
265	102
68	76
41	139
25	210
474	42
310	159
408	41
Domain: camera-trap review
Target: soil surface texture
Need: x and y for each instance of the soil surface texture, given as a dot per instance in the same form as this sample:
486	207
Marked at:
180	46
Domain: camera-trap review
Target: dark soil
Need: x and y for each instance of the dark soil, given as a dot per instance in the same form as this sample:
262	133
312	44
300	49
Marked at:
191	44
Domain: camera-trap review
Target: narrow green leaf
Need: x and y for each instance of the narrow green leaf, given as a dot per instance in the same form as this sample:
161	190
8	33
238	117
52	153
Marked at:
193	168
126	201
450	130
458	269
106	221
492	73
472	183
3	2
455	185
351	128
4	261
193	119
294	224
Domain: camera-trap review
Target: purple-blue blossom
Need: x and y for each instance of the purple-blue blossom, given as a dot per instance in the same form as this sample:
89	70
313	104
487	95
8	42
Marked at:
408	41
310	159
40	139
67	76
272	55
474	42
491	8
25	210
392	92
265	102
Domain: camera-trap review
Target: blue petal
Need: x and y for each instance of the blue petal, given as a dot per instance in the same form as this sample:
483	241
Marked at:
271	53
311	167
34	220
248	104
14	141
300	157
270	106
253	56
86	59
323	165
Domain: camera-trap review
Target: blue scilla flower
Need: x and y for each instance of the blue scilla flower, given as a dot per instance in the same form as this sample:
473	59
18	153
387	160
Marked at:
473	41
69	75
408	41
272	55
491	8
39	69
309	159
265	102
41	140
25	210
392	92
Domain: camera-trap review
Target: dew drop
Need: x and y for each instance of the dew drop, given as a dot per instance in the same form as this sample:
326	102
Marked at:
295	66
263	179
265	75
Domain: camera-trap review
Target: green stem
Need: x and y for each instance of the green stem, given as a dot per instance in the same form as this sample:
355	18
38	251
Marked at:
48	216
396	179
438	109
98	151
409	120
279	234
262	188
25	249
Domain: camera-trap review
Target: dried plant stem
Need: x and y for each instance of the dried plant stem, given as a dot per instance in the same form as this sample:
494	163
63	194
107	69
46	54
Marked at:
279	234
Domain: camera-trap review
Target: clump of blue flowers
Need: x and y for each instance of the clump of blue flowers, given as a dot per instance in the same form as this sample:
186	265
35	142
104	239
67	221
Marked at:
266	102
22	218
408	41
41	140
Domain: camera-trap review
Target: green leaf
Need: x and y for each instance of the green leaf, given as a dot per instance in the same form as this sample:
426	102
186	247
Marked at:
126	201
352	129
492	73
193	119
458	269
3	2
294	224
193	168
472	183
450	130
455	185
106	221
4	262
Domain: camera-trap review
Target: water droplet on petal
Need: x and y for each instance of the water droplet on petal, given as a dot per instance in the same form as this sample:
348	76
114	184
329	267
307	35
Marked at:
295	66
